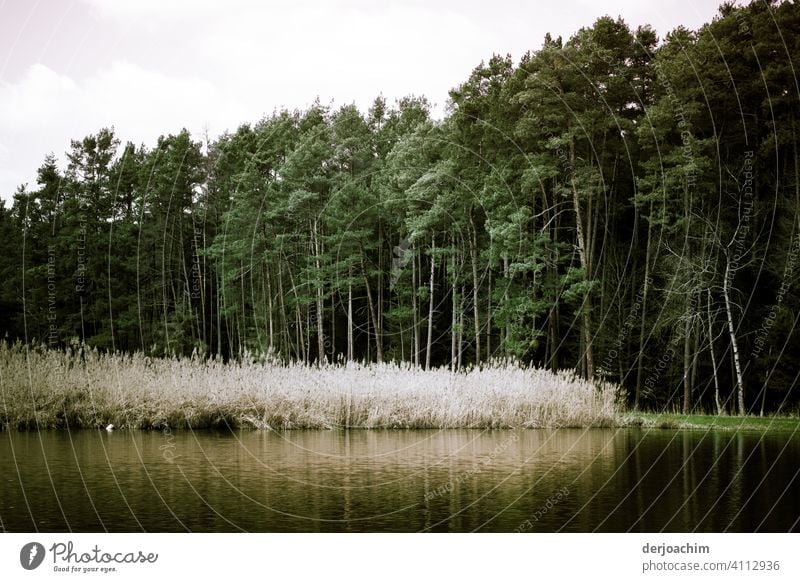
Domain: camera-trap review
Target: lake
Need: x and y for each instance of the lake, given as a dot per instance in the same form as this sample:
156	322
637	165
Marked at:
613	480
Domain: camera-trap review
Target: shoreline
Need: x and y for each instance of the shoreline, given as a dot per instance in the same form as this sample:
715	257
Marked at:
627	420
769	423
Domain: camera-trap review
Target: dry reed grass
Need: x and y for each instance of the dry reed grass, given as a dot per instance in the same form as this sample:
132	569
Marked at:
53	389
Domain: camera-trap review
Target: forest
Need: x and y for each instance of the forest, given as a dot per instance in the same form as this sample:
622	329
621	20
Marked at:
617	204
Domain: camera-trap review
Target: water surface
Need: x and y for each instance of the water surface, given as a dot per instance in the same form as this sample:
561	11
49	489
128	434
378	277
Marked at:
400	481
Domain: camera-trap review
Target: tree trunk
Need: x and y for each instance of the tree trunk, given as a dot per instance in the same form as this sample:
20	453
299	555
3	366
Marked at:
414	311
717	401
553	328
489	313
269	308
584	258
453	300
189	293
350	319
764	389
453	326
473	250
301	346
219	315
203	274
460	328
734	344
320	305
695	355
554	316
308	333
243	314
645	289
687	362
430	307
379	322
332	343
286	340
507	330
373	314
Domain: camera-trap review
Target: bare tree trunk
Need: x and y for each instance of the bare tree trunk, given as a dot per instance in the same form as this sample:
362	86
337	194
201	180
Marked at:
332	343
350	320
507	331
460	328
269	308
453	300
584	258
473	250
203	273
553	328
320	305
243	314
379	322
554	316
453	327
430	307
695	355
713	357
764	389
308	333
734	344
645	289
415	311
285	335
301	346
188	294
369	343
373	314
219	315
489	314
299	333
687	361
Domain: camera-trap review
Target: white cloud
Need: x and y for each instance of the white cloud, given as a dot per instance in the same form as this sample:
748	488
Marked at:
29	103
45	110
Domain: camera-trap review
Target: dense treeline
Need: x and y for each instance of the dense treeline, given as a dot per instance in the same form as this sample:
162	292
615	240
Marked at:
615	203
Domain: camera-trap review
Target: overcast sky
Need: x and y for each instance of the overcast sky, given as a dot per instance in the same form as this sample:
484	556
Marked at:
151	67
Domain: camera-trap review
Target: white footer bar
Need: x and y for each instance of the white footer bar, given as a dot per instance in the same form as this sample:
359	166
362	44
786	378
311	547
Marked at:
389	557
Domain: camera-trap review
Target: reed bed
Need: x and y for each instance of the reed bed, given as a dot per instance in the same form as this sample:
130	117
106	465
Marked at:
53	389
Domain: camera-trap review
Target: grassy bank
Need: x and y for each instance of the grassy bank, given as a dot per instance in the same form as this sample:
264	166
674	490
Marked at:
707	421
51	389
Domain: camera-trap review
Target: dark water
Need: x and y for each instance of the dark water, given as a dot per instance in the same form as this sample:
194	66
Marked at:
535	480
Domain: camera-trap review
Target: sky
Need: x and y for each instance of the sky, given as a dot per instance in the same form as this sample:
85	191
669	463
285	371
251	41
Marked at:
153	67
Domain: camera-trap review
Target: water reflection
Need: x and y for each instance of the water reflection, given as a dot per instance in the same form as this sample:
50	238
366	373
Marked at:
454	480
